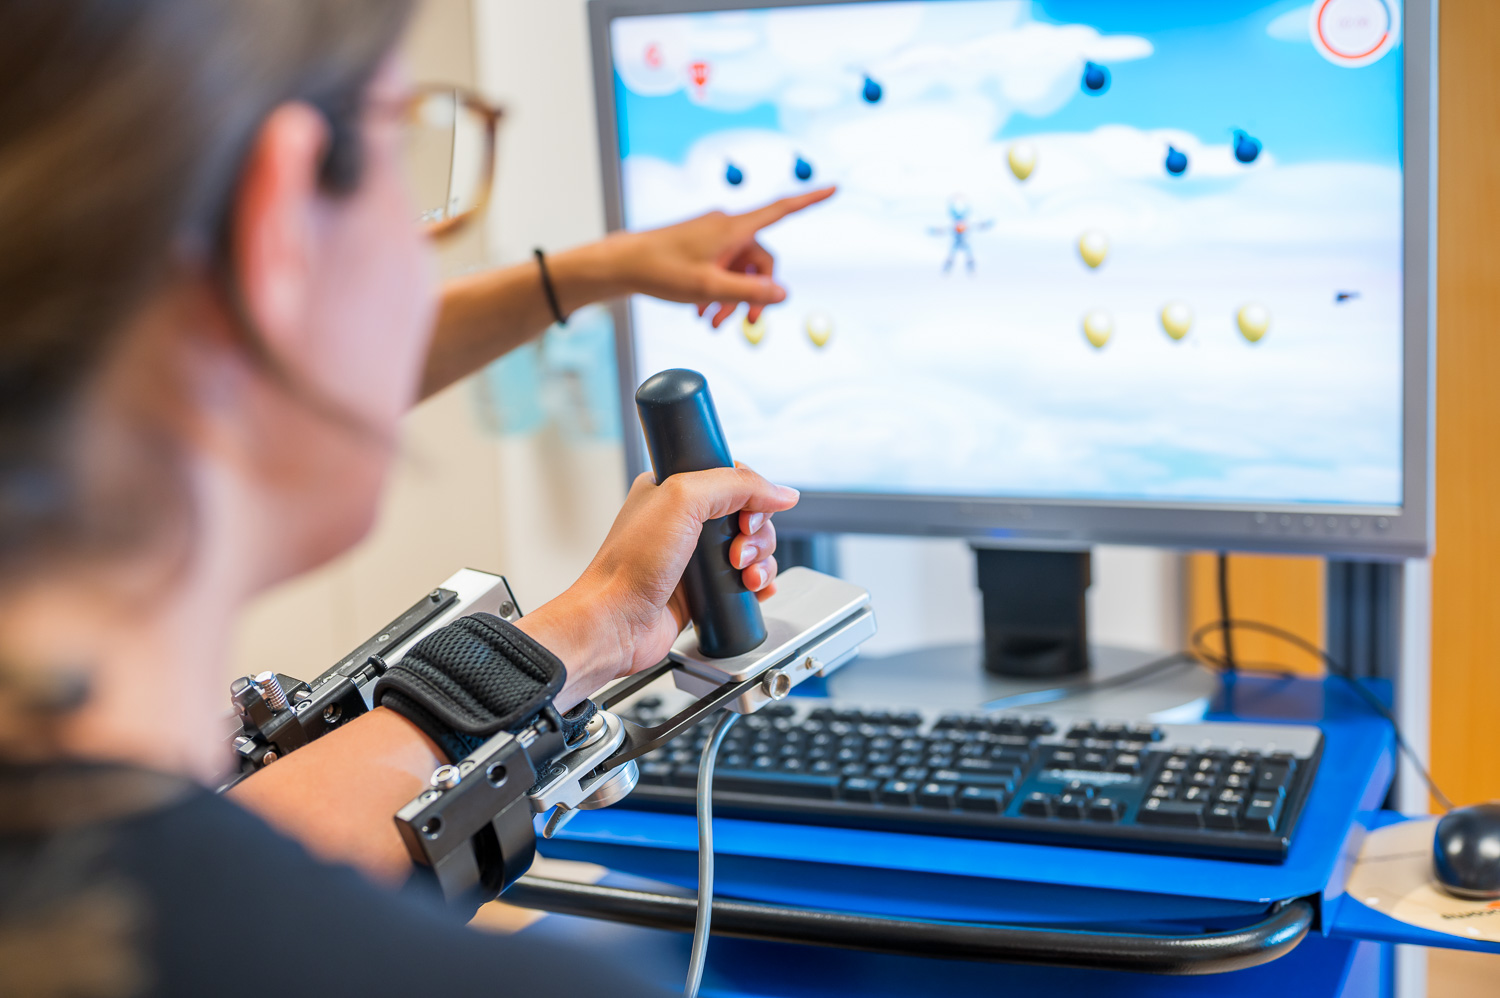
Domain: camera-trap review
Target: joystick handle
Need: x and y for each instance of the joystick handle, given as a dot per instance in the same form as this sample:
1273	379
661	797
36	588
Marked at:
683	434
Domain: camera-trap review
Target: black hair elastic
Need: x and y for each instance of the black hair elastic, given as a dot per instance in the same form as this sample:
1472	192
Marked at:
548	289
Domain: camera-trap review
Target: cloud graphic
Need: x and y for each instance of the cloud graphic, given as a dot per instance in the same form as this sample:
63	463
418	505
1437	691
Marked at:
1293	26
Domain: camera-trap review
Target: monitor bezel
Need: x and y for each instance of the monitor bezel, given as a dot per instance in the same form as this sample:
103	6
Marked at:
1336	530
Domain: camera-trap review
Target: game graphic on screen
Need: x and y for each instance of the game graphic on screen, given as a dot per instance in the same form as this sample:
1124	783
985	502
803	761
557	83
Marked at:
1085	249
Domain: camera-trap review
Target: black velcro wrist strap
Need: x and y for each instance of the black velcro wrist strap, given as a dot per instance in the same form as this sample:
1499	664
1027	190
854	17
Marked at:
468	681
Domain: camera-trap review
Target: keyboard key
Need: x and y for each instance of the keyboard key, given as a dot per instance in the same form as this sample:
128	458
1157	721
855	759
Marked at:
981	800
1242	765
938	795
1237	781
1272	778
1037	805
1003	781
886	772
823	767
1145	733
1205	780
1232	798
1196	793
1071	805
1177	763
1263	813
916	774
898	792
852	769
1126	762
860	790
1063	759
1170	777
1223	816
755	781
657	773
1106	809
793	765
1185	814
1163	792
1093	761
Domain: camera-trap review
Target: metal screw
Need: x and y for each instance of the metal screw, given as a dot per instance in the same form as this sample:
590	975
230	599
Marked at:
269	757
332	713
270	689
507	608
776	684
445	777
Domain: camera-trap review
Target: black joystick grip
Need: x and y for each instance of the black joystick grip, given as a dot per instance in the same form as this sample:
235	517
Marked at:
683	434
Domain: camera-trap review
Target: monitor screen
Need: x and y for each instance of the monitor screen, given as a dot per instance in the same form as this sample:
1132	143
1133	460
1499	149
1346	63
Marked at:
1081	249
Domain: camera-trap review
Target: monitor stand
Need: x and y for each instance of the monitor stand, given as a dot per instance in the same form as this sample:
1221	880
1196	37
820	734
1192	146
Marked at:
1035	612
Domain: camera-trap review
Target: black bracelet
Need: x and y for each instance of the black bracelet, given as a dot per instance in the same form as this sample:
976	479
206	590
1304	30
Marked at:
548	289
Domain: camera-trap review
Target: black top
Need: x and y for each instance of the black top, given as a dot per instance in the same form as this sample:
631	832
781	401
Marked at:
118	883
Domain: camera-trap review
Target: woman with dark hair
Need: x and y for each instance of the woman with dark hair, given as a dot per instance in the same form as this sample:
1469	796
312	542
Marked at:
216	303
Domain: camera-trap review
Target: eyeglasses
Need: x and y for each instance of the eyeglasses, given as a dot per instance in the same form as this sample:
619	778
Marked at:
450	155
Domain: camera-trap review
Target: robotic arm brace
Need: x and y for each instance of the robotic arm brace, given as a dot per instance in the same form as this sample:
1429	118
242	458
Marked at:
474	826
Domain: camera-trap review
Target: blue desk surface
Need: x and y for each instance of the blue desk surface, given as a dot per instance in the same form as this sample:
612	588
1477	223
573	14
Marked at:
927	876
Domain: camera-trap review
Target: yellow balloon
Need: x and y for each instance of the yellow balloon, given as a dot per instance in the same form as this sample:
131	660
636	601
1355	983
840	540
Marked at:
819	328
1253	321
1022	157
1098	326
1176	319
1093	246
754	331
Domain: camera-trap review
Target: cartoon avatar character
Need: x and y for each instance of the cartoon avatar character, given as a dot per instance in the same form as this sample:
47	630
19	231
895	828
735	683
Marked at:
959	228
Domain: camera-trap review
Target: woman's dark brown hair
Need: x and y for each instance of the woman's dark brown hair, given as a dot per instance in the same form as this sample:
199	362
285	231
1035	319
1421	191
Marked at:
124	125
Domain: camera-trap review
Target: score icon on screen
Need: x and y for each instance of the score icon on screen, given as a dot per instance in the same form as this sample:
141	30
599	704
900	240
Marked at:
1354	33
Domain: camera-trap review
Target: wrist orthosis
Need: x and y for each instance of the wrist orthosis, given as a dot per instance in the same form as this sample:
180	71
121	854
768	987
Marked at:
466	682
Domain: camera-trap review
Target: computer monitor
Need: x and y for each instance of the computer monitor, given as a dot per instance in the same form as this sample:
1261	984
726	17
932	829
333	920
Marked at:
1097	271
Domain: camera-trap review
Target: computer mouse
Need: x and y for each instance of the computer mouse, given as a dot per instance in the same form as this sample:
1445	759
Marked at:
1466	852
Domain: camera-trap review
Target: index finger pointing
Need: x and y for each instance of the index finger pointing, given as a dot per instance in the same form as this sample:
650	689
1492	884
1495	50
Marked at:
777	210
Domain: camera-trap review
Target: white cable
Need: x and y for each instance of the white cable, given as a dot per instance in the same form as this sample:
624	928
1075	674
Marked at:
705	852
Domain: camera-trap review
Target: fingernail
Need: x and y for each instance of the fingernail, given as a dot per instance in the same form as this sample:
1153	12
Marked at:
748	555
788	493
756	520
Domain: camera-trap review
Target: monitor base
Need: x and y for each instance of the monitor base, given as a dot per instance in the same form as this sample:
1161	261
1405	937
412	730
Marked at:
951	677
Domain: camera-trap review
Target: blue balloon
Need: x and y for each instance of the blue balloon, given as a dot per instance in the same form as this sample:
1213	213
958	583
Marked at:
1246	147
1177	161
871	92
1095	78
802	170
734	175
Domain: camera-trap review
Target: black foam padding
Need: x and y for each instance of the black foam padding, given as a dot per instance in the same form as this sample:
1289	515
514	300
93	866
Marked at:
466	682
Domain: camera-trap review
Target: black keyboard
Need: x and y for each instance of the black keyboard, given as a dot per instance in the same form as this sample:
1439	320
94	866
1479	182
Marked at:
1231	790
